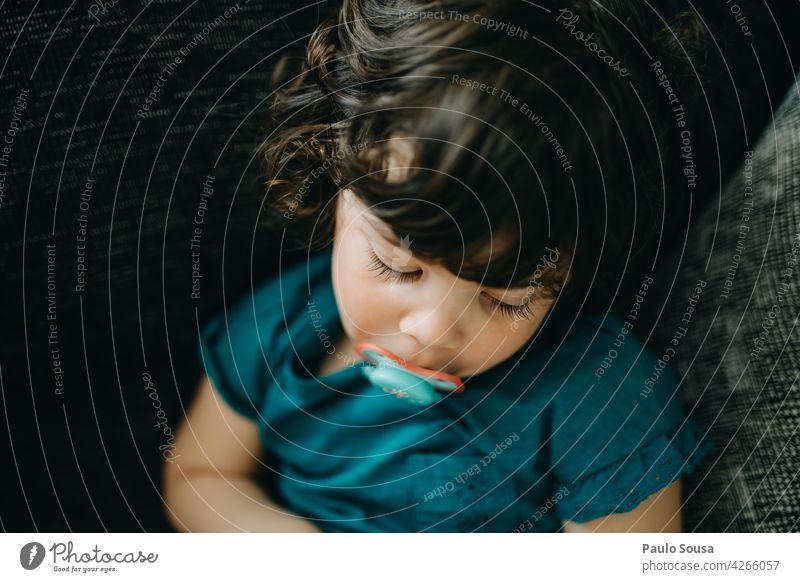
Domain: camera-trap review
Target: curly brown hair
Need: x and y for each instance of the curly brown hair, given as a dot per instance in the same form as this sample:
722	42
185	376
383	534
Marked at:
531	127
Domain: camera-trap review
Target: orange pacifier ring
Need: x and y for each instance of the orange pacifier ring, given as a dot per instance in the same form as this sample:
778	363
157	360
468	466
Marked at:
414	383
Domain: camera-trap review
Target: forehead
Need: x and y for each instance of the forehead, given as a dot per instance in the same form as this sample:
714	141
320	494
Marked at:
397	165
356	214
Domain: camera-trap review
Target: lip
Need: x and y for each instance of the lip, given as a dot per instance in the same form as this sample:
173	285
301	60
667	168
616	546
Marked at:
423	364
427	363
379	355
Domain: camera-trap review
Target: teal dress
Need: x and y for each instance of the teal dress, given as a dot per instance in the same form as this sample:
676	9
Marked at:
559	431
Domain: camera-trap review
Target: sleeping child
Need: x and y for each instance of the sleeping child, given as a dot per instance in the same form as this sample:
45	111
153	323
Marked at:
479	192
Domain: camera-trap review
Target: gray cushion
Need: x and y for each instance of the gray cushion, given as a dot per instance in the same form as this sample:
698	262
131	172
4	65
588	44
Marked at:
738	364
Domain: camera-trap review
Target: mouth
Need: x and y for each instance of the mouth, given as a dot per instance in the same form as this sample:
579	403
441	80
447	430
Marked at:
433	368
426	363
429	364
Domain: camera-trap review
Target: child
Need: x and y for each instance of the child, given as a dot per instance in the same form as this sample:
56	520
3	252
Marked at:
486	177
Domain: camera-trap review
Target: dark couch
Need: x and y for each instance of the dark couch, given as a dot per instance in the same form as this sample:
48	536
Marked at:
118	149
734	284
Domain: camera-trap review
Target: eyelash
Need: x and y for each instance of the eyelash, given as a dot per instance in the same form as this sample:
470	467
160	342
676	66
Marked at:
375	264
513	312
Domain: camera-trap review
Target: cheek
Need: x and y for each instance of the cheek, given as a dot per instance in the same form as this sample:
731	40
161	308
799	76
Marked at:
496	342
360	296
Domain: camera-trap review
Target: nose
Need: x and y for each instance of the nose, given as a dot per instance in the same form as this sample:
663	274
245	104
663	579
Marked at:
435	327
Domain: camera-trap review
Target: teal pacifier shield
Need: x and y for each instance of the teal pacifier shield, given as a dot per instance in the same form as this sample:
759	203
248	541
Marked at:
403	384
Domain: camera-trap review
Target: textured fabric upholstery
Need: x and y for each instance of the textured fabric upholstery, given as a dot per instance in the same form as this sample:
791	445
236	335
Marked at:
90	459
739	361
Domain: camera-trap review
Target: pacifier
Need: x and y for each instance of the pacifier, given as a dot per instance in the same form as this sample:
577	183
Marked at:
405	380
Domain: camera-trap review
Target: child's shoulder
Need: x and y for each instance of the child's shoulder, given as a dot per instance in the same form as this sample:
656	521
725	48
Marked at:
261	320
607	349
241	347
603	375
282	298
617	430
291	287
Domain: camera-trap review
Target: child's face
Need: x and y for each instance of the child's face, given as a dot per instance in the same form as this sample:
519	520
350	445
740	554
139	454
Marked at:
429	317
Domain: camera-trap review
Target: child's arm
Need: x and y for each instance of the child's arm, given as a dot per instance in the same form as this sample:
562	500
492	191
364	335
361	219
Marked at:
661	512
208	484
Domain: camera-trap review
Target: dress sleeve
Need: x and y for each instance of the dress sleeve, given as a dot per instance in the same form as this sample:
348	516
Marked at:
620	436
230	350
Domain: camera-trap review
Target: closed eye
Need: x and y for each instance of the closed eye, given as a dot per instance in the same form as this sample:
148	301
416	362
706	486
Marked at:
383	270
512	312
